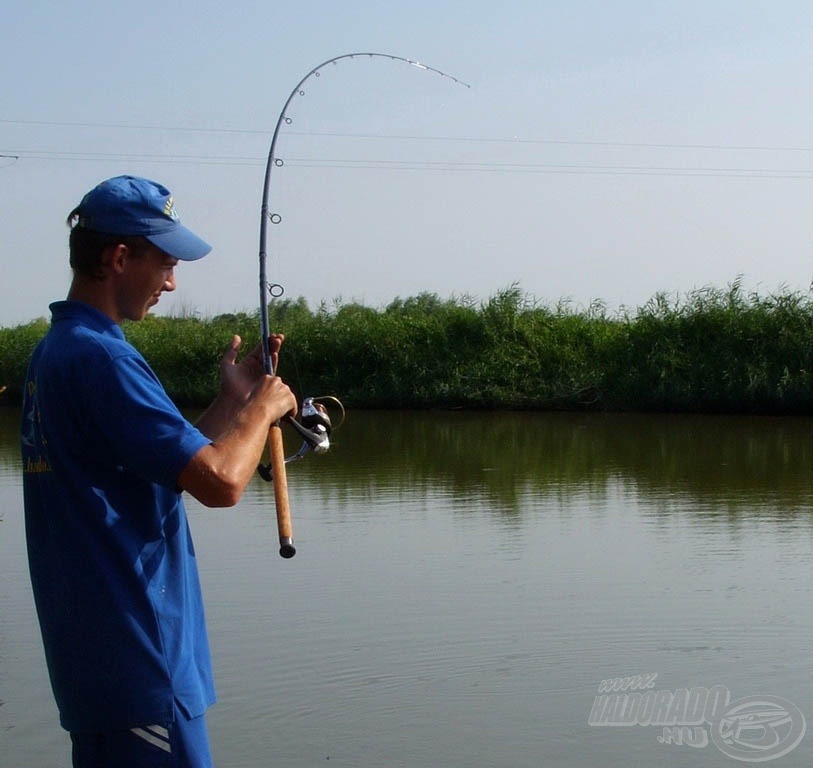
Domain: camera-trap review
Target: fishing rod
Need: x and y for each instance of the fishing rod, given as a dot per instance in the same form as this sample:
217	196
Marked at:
315	426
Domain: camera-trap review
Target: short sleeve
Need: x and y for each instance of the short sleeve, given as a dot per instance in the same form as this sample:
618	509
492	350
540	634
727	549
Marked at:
142	426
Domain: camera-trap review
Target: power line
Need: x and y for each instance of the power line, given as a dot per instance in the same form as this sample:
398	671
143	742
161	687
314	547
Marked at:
417	165
40	154
411	137
129	126
425	165
555	168
560	142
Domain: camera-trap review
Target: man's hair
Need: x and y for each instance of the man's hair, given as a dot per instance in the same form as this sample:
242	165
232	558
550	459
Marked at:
86	247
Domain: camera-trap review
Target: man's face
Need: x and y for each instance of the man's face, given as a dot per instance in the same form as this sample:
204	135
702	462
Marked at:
145	277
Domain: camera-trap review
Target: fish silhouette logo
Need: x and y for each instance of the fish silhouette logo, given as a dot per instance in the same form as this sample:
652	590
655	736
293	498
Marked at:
755	729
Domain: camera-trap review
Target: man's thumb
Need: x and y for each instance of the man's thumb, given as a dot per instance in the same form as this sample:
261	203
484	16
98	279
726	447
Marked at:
230	355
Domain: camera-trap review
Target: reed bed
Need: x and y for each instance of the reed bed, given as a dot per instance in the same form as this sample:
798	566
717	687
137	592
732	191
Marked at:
712	350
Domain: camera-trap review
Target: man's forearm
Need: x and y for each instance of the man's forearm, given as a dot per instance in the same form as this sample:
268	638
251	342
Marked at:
218	417
218	473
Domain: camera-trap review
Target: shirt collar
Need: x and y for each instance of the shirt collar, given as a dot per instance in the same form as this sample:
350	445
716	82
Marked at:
86	315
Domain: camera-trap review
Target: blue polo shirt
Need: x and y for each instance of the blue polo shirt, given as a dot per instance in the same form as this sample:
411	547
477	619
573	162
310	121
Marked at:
112	564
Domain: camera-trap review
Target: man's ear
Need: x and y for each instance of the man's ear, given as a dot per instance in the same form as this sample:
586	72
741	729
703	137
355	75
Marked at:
114	258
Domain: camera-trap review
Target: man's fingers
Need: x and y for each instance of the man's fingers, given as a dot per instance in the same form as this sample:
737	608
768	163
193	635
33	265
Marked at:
230	355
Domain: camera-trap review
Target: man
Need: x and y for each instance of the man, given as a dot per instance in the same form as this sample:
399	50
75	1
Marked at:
106	455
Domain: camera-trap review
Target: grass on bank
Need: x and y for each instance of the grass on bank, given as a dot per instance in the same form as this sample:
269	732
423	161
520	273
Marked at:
721	350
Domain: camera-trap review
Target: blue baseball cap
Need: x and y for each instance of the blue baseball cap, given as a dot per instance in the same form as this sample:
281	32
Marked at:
129	205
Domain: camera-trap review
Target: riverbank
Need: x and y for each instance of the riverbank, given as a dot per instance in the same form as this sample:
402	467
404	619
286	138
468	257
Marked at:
713	350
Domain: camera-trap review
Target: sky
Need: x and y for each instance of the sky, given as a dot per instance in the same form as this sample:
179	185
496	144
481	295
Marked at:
605	151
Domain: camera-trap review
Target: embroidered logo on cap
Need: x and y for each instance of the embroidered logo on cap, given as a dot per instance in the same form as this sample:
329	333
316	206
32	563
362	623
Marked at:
169	209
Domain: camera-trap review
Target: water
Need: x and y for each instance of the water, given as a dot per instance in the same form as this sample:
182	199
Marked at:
464	582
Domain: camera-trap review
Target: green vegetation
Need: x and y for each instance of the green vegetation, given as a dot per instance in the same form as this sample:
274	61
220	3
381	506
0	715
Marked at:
721	350
16	345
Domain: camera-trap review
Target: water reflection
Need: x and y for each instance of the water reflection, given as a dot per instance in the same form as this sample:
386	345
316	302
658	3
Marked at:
9	427
725	465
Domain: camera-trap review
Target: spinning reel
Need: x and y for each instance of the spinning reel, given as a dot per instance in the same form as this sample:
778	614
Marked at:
314	426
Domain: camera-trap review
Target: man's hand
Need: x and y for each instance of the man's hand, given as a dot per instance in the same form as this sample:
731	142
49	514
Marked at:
237	422
242	383
237	380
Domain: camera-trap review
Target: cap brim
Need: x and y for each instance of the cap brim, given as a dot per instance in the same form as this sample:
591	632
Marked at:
180	243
